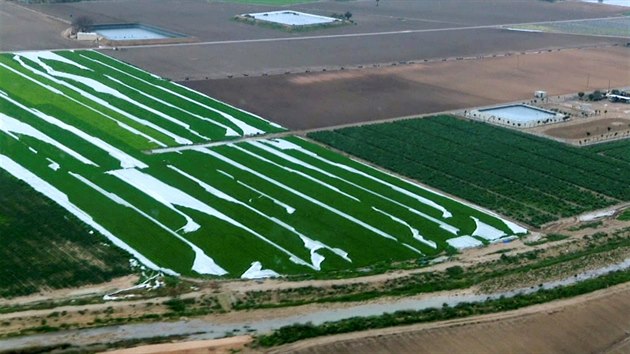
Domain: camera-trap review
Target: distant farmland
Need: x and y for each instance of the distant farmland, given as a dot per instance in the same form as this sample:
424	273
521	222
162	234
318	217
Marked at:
528	178
76	125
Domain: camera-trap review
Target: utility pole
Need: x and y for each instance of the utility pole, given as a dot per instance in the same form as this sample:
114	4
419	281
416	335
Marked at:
588	79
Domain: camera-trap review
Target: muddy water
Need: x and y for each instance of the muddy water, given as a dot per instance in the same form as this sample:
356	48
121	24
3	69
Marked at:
206	329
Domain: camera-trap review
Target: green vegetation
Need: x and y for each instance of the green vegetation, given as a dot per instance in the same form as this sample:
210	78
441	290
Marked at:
625	215
528	178
80	120
503	273
619	150
289	334
55	251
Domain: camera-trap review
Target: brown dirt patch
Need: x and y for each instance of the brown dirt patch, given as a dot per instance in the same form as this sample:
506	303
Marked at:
598	127
316	100
595	323
214	346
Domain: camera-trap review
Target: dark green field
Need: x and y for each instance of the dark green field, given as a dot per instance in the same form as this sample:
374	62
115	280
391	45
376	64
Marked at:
528	178
44	247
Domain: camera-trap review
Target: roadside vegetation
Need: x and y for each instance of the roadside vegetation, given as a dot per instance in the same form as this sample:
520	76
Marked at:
531	179
289	334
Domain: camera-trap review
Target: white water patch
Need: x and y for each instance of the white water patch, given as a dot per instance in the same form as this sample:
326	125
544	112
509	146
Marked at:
60	198
289	209
202	264
413	249
126	161
154	111
170	196
57	92
596	215
33	150
12	126
298	193
414	232
487	232
463	242
48	55
311	178
287	145
228	131
311	245
53	165
244	127
50	76
256	272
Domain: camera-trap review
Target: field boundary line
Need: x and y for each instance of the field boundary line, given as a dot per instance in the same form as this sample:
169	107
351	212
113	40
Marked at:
337	36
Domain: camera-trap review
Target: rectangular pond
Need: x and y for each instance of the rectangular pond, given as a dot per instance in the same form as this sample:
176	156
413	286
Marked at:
132	32
291	18
519	113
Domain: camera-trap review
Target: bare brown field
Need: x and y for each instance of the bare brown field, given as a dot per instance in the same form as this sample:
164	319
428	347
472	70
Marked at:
213	346
595	323
584	129
315	100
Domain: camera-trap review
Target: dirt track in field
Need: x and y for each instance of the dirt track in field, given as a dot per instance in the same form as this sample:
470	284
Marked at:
595	323
315	100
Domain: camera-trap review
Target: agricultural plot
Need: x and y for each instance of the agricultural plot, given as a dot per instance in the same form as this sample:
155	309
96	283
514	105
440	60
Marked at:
57	251
619	27
531	179
76	127
619	150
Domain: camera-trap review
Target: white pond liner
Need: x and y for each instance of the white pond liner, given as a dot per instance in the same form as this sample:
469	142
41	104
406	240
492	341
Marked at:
486	231
256	272
291	18
463	242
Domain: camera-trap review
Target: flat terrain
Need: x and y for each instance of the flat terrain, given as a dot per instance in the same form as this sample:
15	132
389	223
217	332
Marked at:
395	31
211	20
595	323
323	99
75	124
23	29
56	251
531	179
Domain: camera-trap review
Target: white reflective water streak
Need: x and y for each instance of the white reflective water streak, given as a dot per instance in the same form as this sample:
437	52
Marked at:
21	173
298	193
202	264
244	127
170	196
102	102
12	126
126	161
308	243
57	92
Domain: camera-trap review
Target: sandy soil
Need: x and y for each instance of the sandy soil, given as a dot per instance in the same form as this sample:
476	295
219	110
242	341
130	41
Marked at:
595	323
83	291
215	346
22	29
314	100
579	131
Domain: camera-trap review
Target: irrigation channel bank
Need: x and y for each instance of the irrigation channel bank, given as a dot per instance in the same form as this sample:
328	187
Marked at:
198	329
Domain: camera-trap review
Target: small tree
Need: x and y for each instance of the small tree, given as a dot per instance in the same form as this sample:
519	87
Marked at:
347	15
580	94
81	23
